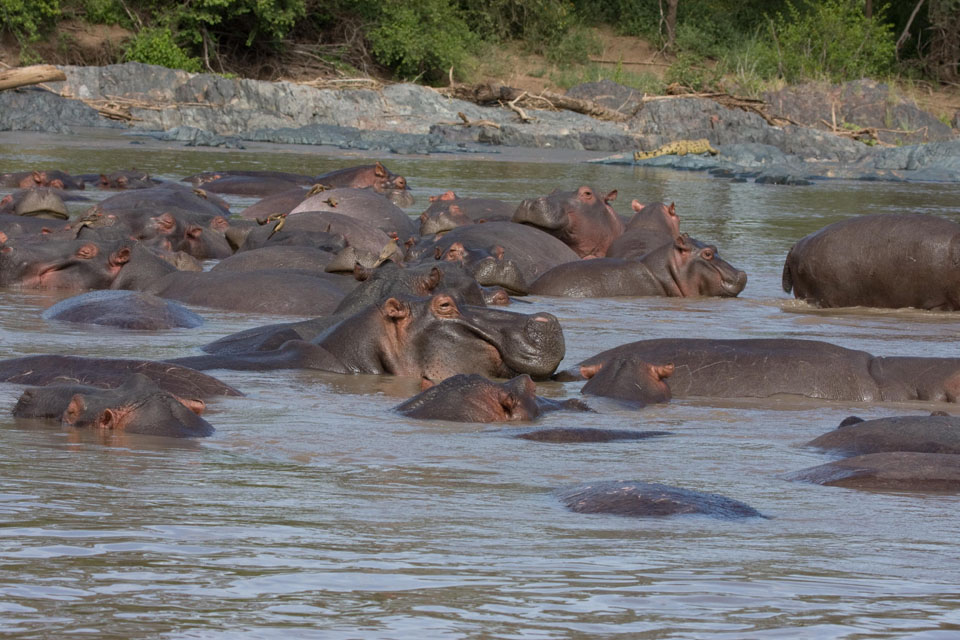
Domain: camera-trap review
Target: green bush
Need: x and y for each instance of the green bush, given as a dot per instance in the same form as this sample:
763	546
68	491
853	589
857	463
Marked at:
105	12
421	38
25	19
536	22
244	22
574	47
830	40
157	46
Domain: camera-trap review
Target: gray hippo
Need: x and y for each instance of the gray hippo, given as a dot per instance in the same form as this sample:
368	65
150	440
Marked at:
647	499
581	219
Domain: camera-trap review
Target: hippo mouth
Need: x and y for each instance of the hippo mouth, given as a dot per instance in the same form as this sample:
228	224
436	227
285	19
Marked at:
536	348
733	286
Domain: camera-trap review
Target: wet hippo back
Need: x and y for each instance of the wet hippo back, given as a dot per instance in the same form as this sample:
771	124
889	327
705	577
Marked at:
124	310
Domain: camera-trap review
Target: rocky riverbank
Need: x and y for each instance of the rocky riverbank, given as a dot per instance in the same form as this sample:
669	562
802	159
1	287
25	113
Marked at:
210	110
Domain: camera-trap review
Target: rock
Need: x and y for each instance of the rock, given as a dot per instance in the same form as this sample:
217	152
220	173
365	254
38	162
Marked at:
609	94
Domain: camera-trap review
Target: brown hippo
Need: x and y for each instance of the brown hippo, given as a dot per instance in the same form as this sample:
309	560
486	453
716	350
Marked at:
683	268
652	225
126	179
882	260
888	471
62	264
137	406
111	372
278	203
582	219
277	257
765	367
474	398
364	205
375	176
41	178
628	378
923	434
259	186
206	177
647	499
428	338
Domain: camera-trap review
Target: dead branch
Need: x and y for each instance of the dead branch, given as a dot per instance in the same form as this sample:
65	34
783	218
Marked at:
24	76
512	105
489	93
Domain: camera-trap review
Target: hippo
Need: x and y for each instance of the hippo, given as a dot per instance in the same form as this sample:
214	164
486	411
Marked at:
447	211
629	379
531	251
765	367
647	499
275	204
683	268
126	179
652	225
124	310
375	176
137	406
205	177
327	231
42	178
277	257
473	398
427	338
252	186
887	471
42	370
582	219
586	435
62	264
364	205
387	280
923	434
36	202
277	291
880	260
166	197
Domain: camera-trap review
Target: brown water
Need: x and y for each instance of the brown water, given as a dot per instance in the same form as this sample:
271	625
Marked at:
315	512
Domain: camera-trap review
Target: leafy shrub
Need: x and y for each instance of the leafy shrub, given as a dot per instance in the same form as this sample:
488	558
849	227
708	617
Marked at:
246	22
157	46
104	12
574	47
832	40
25	19
537	22
421	38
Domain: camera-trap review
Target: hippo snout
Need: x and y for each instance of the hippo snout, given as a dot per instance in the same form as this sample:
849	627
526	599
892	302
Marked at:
540	348
733	286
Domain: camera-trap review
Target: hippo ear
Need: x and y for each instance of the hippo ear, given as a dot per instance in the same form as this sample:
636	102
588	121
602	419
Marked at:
590	370
429	282
396	309
219	223
194	232
107	419
438	253
433	198
194	404
104	180
509	402
120	257
497	252
74	409
3	237
379	170
637	206
425	383
610	197
165	223
87	251
663	371
682	243
672	209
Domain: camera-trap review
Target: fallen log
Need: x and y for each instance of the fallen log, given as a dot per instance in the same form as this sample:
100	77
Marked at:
23	76
490	93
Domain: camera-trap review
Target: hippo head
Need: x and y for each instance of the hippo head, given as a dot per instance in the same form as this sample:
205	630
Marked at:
473	398
628	378
139	406
62	264
488	267
698	270
392	186
655	216
439	219
435	338
41	202
389	279
582	219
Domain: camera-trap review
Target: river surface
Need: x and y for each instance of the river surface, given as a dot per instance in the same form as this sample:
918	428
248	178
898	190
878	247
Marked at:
316	512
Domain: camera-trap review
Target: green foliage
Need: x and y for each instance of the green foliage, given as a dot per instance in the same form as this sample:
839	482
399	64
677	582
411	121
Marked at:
537	22
105	12
157	46
421	38
25	19
643	82
244	22
831	39
693	71
574	47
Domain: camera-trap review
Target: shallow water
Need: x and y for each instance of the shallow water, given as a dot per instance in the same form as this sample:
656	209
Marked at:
315	512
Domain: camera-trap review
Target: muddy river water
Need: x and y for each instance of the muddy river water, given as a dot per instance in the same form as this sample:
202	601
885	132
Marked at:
316	512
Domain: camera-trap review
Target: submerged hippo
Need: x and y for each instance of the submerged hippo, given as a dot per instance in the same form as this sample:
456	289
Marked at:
582	219
473	398
375	176
124	310
683	268
448	211
923	434
764	367
428	338
628	378
647	499
883	260
137	406
111	372
586	435
890	471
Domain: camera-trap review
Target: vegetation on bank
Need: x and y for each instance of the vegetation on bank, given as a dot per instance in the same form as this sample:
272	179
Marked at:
747	42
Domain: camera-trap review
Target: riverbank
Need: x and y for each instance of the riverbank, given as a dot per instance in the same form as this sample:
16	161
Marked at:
771	143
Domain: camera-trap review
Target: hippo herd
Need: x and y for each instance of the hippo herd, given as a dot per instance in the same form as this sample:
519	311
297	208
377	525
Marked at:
388	296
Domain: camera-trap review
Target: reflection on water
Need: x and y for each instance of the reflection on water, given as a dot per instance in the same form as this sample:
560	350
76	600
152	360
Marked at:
314	511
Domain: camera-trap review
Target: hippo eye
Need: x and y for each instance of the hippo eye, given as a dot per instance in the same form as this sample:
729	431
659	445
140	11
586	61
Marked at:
707	254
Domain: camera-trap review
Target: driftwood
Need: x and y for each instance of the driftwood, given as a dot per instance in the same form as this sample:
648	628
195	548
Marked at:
753	105
23	76
490	93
